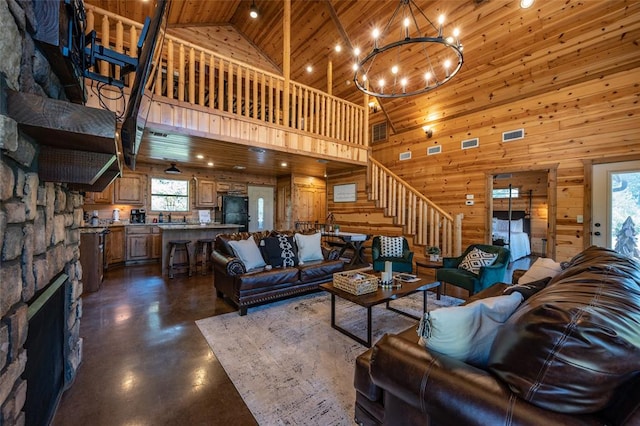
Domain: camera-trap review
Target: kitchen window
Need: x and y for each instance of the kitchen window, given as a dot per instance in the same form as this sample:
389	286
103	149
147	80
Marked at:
169	195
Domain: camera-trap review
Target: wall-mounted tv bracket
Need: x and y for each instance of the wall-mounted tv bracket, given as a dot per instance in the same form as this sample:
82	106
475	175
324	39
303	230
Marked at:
92	51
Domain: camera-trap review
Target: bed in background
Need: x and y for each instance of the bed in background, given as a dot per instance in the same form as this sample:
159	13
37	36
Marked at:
517	238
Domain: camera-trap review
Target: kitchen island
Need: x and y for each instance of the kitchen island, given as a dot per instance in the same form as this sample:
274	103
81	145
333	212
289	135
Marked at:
192	232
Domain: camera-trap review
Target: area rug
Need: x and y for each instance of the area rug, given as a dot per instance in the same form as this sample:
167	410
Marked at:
290	366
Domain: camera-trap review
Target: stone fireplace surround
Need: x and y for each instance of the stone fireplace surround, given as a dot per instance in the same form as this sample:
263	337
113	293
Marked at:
39	221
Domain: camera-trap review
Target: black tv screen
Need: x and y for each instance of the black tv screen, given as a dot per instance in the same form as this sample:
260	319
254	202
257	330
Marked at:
135	116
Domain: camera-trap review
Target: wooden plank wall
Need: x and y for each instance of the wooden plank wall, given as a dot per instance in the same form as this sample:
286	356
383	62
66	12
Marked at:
589	120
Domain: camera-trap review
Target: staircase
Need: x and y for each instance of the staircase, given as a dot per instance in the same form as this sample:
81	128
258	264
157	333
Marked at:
428	224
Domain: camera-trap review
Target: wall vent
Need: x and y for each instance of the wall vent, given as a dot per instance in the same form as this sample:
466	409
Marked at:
432	150
470	143
513	135
379	132
405	156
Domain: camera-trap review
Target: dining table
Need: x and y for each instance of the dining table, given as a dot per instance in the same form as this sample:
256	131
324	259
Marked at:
351	240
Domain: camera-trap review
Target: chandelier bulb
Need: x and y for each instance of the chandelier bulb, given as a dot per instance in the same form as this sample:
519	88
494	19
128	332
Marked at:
394	69
356	51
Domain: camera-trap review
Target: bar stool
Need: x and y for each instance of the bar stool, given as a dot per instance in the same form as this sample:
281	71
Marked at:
204	247
179	245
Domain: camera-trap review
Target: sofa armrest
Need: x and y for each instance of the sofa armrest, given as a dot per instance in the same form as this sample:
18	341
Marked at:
492	274
452	392
231	265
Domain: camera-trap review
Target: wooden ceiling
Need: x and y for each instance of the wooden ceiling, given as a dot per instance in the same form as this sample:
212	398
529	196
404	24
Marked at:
503	44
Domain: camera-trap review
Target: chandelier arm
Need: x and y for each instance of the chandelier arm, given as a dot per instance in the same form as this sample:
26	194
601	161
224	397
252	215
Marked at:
393	17
424	16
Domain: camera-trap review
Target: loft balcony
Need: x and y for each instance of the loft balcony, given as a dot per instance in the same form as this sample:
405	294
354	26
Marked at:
205	100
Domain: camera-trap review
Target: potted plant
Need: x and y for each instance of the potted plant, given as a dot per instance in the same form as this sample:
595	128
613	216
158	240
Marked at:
434	253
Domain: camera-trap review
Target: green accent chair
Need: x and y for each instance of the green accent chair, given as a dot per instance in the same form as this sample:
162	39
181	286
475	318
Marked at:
473	283
399	264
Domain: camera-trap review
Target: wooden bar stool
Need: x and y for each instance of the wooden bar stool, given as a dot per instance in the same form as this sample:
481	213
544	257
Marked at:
179	245
204	248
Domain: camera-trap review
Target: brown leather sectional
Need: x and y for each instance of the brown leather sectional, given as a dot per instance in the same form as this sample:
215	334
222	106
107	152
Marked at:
249	288
569	355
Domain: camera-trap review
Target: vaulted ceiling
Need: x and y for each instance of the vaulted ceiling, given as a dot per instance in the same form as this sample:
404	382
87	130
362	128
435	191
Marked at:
510	53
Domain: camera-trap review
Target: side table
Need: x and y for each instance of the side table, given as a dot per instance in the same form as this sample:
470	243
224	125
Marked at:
431	265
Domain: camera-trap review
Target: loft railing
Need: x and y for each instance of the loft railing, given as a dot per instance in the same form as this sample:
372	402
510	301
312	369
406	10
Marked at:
193	74
426	222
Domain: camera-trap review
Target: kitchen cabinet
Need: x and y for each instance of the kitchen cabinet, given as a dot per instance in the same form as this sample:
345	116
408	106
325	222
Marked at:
144	243
206	193
115	245
130	189
232	187
156	243
104	197
92	259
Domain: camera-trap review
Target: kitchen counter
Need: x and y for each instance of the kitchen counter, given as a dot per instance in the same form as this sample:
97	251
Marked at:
192	232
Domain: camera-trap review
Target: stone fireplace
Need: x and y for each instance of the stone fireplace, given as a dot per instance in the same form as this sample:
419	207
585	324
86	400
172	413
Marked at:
39	221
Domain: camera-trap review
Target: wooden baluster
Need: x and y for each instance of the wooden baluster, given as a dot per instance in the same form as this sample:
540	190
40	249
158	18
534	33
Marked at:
246	110
263	98
258	106
276	111
436	226
157	85
192	76
90	20
403	205
230	88
181	73
201	80
104	38
239	103
305	112
220	95
272	92
212	82
170	69
119	47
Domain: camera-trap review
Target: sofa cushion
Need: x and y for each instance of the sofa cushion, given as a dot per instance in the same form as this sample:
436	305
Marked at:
391	246
314	270
571	345
309	247
476	259
279	251
263	279
467	332
248	252
543	267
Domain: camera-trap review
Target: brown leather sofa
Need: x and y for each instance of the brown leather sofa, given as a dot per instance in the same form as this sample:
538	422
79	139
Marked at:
249	288
569	355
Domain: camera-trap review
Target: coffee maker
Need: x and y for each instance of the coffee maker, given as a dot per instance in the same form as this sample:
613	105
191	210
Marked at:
138	216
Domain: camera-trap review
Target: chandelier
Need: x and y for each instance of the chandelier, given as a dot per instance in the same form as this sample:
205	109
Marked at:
413	64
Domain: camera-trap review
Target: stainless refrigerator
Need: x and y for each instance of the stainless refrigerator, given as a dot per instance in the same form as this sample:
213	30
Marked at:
235	210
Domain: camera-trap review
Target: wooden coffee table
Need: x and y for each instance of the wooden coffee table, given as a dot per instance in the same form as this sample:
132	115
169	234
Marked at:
372	299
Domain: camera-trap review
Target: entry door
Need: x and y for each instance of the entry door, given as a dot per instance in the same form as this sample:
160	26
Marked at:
260	208
616	207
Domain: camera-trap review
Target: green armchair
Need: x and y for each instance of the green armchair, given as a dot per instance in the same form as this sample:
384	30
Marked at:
473	283
400	264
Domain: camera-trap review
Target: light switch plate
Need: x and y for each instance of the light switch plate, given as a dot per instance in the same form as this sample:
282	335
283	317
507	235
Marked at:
469	202
580	218
470	196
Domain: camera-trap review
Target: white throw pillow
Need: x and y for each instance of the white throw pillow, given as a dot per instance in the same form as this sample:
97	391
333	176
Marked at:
543	267
517	226
309	246
467	332
476	259
248	253
502	225
391	246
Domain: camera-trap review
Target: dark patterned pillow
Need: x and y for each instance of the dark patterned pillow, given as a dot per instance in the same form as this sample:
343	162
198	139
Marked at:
391	246
279	251
476	259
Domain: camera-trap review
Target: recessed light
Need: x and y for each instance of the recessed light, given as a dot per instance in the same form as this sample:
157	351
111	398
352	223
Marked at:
239	167
258	150
199	156
210	164
525	4
283	164
322	161
309	68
